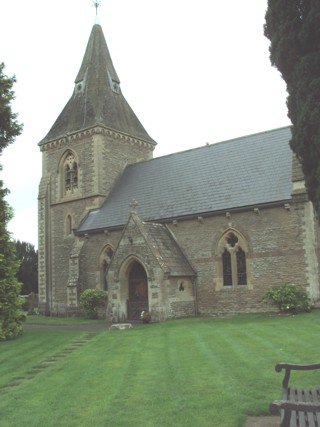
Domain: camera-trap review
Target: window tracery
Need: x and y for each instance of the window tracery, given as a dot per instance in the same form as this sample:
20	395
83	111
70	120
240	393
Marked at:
233	251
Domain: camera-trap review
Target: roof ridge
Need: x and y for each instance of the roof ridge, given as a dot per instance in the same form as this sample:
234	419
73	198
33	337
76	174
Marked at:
214	144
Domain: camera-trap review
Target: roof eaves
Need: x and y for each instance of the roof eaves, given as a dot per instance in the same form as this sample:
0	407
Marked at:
197	215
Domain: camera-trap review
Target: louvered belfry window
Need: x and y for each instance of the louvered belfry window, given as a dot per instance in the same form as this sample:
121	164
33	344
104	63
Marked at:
71	174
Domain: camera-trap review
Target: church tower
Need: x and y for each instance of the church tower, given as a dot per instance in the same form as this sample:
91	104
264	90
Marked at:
96	135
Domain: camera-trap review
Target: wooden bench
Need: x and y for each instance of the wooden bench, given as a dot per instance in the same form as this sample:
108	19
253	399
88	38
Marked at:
299	407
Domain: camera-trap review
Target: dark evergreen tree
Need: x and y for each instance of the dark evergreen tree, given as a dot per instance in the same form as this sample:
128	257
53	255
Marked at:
9	126
10	302
28	271
293	27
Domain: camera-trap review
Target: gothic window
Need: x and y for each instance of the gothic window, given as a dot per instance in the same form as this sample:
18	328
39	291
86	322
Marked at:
233	249
70	174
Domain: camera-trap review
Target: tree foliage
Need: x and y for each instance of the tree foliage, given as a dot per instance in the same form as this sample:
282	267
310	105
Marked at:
9	126
10	302
28	270
293	27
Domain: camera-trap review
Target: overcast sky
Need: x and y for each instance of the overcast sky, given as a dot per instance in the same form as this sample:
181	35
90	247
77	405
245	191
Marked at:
194	71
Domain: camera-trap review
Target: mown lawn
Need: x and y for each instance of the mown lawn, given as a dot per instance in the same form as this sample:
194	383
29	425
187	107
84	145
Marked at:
60	321
190	373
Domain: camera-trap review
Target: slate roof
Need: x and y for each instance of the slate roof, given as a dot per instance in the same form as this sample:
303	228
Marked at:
97	98
247	171
167	249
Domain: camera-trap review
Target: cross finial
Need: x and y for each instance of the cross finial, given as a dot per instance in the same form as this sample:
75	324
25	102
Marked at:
133	205
96	4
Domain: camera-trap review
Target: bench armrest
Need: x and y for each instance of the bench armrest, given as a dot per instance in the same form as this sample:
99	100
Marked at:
295	367
292	367
294	406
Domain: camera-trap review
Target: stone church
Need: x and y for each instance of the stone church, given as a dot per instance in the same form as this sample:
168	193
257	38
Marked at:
201	232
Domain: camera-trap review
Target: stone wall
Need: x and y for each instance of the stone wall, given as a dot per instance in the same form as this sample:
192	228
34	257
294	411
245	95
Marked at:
276	256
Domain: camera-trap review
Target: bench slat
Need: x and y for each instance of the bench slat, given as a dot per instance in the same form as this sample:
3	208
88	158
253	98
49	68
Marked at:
292	397
300	397
309	396
315	394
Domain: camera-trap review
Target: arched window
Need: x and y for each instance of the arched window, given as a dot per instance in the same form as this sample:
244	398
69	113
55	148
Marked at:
70	174
233	258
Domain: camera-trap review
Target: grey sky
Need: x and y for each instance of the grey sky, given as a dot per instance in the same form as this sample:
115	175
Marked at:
194	71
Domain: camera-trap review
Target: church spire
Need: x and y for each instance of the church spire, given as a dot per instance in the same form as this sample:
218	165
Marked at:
97	98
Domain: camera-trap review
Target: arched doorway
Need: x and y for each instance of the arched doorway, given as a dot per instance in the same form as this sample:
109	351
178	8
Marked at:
138	291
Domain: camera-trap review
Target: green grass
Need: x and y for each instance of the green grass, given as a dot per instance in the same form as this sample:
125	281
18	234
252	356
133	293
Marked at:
61	321
190	373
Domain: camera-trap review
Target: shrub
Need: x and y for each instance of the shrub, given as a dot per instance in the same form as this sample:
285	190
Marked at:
93	299
289	298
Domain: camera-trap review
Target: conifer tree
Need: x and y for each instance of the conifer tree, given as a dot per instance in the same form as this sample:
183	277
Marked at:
293	27
28	270
10	303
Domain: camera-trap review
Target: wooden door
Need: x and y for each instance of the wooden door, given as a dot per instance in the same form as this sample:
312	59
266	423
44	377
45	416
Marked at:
138	292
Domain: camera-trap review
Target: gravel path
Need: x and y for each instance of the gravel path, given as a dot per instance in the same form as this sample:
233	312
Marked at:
96	327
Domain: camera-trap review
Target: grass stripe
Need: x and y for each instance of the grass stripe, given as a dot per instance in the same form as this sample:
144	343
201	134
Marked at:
189	372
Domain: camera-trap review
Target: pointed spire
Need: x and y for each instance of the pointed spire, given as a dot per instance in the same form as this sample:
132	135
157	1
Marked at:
97	98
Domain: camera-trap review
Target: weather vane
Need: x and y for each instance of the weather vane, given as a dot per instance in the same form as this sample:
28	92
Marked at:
96	4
